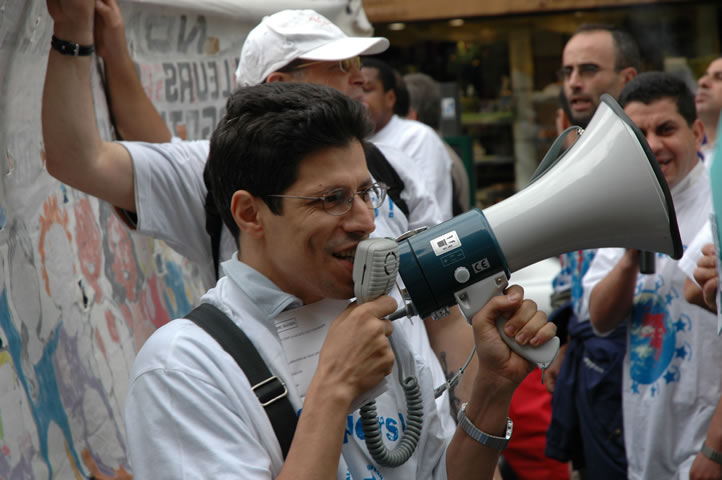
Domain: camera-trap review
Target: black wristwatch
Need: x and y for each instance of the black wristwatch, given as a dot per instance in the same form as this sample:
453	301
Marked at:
70	48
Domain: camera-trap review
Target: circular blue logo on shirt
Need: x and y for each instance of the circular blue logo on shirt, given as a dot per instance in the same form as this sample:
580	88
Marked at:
652	339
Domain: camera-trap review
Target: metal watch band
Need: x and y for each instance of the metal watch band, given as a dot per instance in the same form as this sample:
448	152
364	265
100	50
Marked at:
497	443
713	455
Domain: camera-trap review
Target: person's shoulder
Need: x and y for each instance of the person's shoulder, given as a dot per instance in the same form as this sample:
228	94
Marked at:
175	149
424	134
396	157
191	147
159	352
418	128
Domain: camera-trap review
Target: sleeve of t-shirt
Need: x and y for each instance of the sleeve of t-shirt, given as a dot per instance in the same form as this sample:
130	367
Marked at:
170	194
604	261
688	262
180	391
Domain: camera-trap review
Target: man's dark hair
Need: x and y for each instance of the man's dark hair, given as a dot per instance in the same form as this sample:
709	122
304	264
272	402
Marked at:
425	98
268	130
649	87
386	73
626	48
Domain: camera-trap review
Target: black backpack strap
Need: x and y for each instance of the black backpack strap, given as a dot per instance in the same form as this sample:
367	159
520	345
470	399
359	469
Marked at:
269	389
383	171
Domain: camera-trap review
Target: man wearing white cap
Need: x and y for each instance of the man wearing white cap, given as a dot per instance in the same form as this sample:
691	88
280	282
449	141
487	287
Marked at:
146	180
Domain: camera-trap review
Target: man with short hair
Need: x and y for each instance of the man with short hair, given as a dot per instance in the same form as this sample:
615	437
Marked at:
597	59
671	384
708	101
287	167
415	139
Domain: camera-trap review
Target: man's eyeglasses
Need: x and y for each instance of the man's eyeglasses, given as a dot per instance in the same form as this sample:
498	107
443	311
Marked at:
340	200
347	65
585	70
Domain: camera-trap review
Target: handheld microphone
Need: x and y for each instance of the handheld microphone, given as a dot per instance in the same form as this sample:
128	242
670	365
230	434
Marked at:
646	262
375	267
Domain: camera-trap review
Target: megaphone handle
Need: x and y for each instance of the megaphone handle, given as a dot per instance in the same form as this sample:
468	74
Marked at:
472	298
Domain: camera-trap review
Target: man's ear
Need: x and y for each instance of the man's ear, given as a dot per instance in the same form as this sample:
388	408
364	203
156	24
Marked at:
628	74
245	211
698	130
279	77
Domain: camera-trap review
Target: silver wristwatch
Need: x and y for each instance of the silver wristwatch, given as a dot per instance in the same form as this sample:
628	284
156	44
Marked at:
713	455
497	443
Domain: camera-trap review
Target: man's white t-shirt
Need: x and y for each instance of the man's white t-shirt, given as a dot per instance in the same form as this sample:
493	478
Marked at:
433	164
672	380
191	413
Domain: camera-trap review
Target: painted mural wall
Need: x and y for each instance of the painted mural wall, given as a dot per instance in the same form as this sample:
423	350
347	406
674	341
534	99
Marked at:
79	292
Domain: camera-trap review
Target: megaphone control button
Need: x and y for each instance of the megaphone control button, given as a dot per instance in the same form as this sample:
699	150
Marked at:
462	275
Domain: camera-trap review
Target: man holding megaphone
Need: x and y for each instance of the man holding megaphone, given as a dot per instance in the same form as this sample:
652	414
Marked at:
290	173
671	383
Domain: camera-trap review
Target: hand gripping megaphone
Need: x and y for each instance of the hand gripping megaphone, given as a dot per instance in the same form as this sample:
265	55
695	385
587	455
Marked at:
607	190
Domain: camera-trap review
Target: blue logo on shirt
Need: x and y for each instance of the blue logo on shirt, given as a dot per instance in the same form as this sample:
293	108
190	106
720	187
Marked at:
389	427
653	342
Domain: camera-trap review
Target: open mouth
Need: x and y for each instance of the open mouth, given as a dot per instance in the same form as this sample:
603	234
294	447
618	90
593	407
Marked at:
580	104
347	255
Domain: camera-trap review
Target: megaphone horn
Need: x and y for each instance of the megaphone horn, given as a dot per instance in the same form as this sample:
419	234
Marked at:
606	191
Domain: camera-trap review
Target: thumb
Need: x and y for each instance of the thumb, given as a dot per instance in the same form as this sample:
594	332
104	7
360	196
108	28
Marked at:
500	305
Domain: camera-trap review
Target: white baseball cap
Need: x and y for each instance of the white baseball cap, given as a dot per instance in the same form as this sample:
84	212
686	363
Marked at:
290	34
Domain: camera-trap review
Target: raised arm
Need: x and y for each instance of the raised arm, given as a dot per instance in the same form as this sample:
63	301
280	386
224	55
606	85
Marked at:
500	371
75	153
134	115
611	299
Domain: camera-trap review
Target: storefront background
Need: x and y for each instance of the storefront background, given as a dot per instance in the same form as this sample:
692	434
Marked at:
501	60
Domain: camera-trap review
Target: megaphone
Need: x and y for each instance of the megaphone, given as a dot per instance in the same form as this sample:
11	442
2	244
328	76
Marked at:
607	190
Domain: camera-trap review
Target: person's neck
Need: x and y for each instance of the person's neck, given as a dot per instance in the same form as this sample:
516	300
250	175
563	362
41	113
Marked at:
383	122
710	129
711	134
